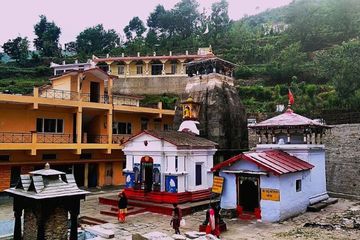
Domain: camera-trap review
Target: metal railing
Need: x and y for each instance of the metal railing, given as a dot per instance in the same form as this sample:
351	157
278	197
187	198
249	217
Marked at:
120	138
87	97
12	137
100	139
58	94
55	138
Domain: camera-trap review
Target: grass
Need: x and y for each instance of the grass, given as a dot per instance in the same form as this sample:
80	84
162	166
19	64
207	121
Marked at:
21	85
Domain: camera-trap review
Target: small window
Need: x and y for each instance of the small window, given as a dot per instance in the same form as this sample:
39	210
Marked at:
59	72
121	128
298	185
139	69
173	68
121	69
49	156
144	124
198	174
44	125
176	163
85	156
4	158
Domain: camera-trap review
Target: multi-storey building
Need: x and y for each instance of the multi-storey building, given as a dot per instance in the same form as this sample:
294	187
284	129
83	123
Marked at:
77	124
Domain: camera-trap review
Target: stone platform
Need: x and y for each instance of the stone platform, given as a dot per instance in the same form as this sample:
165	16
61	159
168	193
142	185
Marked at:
136	207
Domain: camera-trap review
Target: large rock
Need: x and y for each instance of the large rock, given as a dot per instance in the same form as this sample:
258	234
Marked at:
222	116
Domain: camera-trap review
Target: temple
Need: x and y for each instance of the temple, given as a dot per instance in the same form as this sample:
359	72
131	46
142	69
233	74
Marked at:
282	176
170	166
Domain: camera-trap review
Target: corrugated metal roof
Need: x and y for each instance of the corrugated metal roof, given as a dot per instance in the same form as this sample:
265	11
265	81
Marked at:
288	119
275	161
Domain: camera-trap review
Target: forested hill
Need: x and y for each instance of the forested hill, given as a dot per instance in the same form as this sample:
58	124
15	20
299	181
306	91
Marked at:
311	45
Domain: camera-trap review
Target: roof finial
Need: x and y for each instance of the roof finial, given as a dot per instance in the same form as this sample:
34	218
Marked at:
47	166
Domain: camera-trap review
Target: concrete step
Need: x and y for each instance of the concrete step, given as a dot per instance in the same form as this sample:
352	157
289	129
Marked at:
114	212
320	205
91	221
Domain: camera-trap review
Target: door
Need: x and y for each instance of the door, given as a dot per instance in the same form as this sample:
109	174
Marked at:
94	92
147	173
198	174
248	193
108	174
92	175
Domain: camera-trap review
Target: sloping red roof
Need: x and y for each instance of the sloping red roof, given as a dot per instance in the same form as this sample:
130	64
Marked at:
179	139
275	161
288	119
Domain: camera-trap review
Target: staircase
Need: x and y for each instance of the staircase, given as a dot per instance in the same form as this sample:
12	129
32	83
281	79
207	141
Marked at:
113	211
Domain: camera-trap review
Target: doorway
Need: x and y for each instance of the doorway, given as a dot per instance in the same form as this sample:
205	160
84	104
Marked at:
92	175
94	91
248	193
109	174
147	173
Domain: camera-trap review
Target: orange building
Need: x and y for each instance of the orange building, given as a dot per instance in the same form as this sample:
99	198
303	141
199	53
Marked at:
77	125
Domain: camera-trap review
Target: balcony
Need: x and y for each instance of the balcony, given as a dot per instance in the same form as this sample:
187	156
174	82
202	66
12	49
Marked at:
12	137
55	138
58	94
99	139
120	138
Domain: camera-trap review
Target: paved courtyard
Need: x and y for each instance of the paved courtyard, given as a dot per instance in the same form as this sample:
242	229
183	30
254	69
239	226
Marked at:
338	221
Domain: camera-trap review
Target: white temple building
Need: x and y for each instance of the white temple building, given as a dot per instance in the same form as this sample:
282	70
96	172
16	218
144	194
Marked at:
170	166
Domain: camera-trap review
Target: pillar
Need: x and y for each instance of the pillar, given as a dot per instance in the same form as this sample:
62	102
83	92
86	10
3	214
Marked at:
74	212
127	68
163	67
17	214
109	125
78	125
86	174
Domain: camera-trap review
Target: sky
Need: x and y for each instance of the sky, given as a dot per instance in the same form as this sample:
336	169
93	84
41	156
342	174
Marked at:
18	17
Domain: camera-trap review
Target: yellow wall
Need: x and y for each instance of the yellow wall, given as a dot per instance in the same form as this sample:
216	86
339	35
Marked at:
86	84
63	83
114	68
22	119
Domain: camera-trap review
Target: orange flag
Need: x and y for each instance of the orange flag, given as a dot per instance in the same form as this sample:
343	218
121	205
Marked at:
291	97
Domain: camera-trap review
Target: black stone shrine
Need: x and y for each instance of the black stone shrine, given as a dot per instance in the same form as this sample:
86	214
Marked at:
46	196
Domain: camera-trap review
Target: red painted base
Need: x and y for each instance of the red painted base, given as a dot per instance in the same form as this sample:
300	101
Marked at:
165	197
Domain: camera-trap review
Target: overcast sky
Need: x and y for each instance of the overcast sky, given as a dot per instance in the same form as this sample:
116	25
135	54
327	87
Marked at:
18	17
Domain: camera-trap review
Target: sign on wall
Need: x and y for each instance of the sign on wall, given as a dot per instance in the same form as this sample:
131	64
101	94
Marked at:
171	184
218	183
270	194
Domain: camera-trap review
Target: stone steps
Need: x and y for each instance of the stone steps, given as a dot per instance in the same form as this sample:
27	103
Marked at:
320	205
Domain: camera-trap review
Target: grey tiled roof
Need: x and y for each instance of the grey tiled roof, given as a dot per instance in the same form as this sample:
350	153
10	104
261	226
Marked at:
182	139
45	184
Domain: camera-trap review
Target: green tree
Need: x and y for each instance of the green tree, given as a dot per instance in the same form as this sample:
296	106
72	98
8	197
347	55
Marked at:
17	49
135	29
96	40
341	66
219	20
47	41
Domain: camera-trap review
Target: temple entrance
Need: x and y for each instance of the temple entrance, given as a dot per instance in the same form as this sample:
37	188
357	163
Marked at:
147	173
248	193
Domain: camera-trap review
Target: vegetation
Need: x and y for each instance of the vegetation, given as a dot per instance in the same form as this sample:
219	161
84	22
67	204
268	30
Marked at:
310	46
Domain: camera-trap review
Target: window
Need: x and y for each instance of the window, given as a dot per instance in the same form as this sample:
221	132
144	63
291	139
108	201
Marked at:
49	156
198	177
4	158
167	127
298	185
44	125
59	72
121	69
121	128
173	68
144	124
176	163
15	176
139	69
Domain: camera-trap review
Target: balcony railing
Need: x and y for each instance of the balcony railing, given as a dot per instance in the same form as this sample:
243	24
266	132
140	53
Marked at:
55	138
11	137
87	97
123	100
100	139
120	138
58	94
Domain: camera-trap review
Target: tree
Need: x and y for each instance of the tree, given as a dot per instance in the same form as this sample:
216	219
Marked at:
341	66
70	47
135	29
185	18
96	40
17	49
219	20
47	41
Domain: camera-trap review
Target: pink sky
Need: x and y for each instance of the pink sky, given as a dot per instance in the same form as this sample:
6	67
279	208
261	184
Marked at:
18	18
